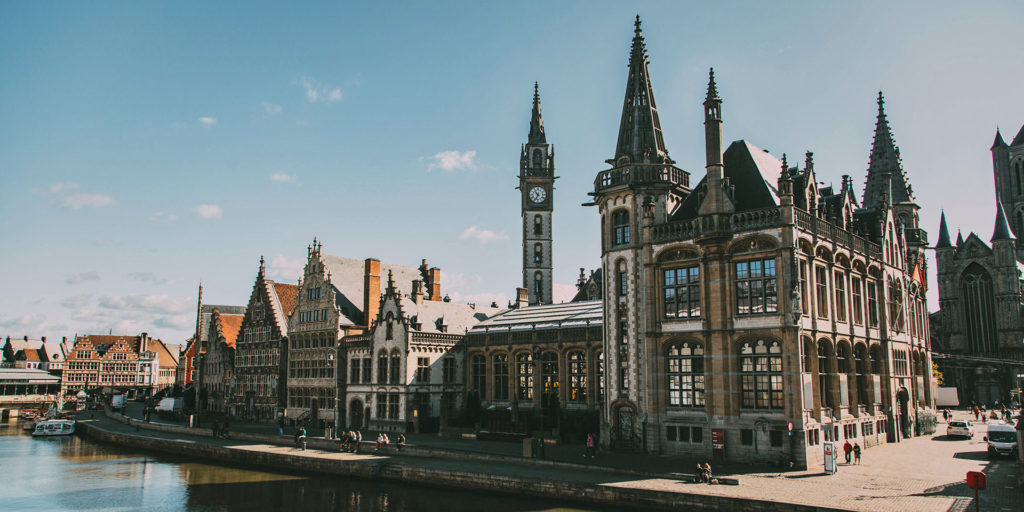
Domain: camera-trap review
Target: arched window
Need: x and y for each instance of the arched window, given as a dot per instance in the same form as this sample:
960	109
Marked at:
577	376
620	225
382	368
538	253
500	376
538	225
979	309
686	375
549	378
537	157
389	330
538	285
478	366
761	374
396	367
524	376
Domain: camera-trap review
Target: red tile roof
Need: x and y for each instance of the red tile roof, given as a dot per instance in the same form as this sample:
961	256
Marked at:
230	324
287	293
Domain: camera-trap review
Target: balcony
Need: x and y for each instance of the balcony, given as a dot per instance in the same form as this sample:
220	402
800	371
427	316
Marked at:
641	174
824	229
737	222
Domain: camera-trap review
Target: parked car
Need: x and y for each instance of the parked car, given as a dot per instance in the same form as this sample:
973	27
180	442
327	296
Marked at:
1001	439
960	428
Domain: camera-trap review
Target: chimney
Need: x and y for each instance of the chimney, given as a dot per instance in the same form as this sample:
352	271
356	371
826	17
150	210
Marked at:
434	284
522	298
371	290
143	342
26	338
43	339
417	291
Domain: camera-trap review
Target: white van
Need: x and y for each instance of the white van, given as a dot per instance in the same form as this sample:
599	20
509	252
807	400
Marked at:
1001	439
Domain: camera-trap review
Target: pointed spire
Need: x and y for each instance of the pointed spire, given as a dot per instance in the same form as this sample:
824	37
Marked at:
712	88
640	137
943	233
263	268
1019	139
536	122
959	238
999	140
1002	228
885	167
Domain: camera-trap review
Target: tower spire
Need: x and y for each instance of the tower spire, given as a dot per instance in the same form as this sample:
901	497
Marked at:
536	122
999	142
885	165
943	233
640	138
712	88
1002	228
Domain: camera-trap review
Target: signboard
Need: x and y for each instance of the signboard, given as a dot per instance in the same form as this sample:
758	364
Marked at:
830	458
976	480
718	443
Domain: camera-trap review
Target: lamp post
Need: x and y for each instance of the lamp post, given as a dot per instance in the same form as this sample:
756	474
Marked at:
334	361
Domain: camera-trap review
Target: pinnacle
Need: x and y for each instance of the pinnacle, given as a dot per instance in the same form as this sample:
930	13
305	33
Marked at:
943	232
712	87
536	122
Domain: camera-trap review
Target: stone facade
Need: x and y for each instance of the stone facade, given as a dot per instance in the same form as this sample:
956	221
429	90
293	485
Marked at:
537	187
980	323
755	303
217	374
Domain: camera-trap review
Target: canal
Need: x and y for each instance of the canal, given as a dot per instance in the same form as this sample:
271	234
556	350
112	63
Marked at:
70	473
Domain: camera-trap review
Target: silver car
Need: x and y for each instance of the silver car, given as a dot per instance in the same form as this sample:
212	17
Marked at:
960	428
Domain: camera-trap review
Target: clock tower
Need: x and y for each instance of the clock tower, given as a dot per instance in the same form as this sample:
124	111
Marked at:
536	185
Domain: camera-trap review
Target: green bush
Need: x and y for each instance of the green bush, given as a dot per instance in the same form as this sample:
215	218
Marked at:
926	422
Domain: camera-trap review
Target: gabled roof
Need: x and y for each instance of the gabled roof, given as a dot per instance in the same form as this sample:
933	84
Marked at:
546	316
163	354
230	325
207	311
1019	139
752	171
973	240
347	278
458	318
282	300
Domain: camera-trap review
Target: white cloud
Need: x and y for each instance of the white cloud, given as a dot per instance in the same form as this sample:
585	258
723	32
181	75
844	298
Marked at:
77	201
452	161
62	186
563	292
163	217
317	92
209	211
282	268
271	108
482	235
75	301
31	325
83	277
148	277
161	304
179	322
281	177
208	121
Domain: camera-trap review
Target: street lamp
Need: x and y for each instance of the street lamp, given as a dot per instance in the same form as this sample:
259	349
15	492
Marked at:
334	360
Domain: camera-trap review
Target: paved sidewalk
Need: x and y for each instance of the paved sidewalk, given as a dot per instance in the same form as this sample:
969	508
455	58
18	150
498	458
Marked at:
924	473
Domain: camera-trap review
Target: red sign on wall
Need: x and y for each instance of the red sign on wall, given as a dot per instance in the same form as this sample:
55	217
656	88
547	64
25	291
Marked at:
718	443
976	480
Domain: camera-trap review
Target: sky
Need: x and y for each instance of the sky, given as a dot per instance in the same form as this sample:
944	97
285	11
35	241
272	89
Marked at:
145	147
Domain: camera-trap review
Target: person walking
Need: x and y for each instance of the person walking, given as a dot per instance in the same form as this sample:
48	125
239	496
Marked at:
358	439
847	449
280	426
856	452
590	446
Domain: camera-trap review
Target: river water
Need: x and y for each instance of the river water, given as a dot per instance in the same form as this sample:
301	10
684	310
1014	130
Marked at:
70	473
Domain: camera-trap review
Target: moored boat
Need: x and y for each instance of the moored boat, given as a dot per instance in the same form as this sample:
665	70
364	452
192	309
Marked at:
54	428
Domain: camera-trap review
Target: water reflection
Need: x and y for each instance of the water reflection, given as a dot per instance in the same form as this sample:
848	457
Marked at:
73	474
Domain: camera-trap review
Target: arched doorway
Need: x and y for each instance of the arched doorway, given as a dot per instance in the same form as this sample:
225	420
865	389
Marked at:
355	414
624	427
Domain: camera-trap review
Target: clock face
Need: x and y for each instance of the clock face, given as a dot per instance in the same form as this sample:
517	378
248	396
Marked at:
537	194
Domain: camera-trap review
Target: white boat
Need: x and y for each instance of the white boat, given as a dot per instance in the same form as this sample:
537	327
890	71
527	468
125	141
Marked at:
54	428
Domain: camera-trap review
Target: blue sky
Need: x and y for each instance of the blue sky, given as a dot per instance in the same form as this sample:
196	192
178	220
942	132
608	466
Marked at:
145	147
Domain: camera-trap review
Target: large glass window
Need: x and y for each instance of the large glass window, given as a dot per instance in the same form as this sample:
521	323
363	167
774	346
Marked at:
896	320
423	369
367	370
805	300
396	368
620	224
353	374
549	377
856	287
501	376
682	292
524	376
872	303
448	370
756	291
577	376
478	366
761	374
839	282
821	286
382	368
686	375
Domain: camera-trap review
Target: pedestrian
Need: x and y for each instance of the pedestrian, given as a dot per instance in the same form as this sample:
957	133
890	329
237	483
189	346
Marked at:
847	449
358	439
590	446
280	426
214	429
856	452
302	437
976	411
401	441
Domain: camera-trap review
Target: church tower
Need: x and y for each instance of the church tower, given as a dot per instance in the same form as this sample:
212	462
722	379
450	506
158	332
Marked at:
1008	168
537	185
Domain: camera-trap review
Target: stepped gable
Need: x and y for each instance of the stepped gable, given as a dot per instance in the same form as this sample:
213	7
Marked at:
282	301
753	174
228	326
347	277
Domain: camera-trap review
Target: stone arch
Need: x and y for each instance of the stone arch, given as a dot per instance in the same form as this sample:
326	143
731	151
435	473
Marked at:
678	252
753	243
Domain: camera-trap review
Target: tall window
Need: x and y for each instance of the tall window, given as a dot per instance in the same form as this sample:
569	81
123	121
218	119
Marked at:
396	367
620	280
538	226
686	375
478	365
538	285
761	374
824	372
839	281
872	303
538	253
448	370
501	376
524	376
423	369
620	224
382	405
600	376
805	300
549	377
856	286
389	328
821	285
979	309
896	319
682	292
577	376
353	373
367	370
382	368
863	389
623	357
756	291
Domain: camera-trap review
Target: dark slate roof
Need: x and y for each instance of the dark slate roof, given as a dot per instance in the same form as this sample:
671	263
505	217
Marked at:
1002	228
640	137
1019	139
347	276
885	167
536	122
752	171
943	233
999	140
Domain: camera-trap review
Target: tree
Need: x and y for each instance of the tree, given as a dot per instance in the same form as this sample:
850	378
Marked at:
936	374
